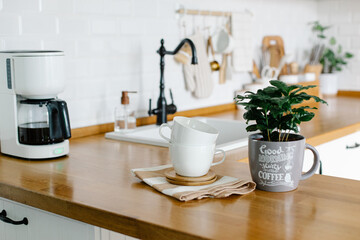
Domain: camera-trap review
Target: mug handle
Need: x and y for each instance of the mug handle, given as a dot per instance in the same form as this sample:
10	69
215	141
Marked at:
315	164
161	134
222	160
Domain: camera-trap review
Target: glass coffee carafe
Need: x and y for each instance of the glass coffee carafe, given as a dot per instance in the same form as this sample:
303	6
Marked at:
44	121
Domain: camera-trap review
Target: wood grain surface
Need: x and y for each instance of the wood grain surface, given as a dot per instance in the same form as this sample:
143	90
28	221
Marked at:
94	185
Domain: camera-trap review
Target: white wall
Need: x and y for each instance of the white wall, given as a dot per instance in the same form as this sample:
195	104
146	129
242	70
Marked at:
110	46
344	19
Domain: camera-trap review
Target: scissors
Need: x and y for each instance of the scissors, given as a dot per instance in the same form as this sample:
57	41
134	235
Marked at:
269	72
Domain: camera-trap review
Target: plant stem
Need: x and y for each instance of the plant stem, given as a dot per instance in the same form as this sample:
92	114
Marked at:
279	135
267	125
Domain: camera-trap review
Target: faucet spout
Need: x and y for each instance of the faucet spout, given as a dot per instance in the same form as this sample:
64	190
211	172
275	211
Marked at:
162	107
193	50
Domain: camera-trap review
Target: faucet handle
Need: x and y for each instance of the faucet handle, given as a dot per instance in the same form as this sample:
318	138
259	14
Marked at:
171	96
150	111
171	108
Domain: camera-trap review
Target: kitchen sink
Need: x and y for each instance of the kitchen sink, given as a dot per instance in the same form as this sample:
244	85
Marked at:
232	134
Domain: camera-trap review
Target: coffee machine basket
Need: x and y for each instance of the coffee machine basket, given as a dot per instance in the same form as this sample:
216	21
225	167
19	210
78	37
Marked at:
39	77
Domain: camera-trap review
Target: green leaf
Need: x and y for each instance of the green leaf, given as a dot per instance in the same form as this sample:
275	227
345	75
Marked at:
306	116
349	55
252	128
339	49
332	41
322	36
281	86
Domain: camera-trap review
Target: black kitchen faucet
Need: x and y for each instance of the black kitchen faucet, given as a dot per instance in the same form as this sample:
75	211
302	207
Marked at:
162	108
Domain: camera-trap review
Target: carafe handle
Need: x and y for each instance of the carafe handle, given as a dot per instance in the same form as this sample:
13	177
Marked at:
64	114
55	129
59	123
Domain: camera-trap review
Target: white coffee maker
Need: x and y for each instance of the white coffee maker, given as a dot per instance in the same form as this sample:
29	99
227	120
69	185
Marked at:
34	123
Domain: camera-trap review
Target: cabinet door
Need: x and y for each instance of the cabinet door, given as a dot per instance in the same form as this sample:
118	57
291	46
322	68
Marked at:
104	234
337	158
16	213
42	225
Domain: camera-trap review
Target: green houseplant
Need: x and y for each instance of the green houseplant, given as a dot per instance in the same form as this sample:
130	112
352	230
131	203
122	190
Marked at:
275	153
331	56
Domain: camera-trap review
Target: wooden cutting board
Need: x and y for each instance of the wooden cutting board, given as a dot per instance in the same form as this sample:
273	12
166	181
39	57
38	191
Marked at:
275	46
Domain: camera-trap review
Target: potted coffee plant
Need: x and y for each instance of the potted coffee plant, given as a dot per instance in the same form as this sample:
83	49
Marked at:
276	152
331	57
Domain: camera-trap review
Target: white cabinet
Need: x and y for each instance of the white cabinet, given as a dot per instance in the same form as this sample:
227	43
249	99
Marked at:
48	226
42	225
337	158
104	234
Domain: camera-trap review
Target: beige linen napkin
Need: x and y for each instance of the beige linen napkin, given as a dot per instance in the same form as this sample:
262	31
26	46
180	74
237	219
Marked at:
224	186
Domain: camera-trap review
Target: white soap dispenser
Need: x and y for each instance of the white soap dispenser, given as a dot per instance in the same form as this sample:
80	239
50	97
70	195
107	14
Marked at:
125	120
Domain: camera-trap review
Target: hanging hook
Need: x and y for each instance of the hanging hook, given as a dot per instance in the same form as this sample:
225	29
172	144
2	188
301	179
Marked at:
182	20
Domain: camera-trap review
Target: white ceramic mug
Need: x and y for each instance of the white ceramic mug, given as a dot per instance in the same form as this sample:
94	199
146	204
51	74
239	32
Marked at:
193	161
190	131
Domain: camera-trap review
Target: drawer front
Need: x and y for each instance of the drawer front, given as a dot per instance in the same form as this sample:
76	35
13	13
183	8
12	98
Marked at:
42	225
337	158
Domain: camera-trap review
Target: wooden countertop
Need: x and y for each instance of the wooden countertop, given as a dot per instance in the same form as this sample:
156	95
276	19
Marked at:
94	185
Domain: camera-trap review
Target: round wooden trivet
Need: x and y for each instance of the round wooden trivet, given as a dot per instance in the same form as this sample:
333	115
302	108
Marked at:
191	183
171	174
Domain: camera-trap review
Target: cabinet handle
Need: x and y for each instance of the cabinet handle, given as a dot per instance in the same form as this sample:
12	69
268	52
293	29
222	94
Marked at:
8	220
354	146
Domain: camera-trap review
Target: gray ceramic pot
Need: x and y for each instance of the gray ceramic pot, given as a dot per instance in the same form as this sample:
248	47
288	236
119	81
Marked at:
277	166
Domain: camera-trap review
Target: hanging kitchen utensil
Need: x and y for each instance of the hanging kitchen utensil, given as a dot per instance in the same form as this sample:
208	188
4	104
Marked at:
222	70
256	70
275	46
214	65
229	68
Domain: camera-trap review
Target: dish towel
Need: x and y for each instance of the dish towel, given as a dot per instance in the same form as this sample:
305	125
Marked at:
198	78
224	186
242	32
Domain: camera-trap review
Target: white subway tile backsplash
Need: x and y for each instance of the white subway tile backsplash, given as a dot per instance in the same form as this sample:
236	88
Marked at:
9	24
118	7
21	6
67	46
345	42
126	45
104	26
39	24
57	6
356	16
355	43
145	8
89	6
166	9
132	26
349	29
2	44
91	47
74	26
23	44
77	68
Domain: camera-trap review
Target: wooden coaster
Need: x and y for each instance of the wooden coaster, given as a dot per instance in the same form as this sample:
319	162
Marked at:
191	183
171	174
